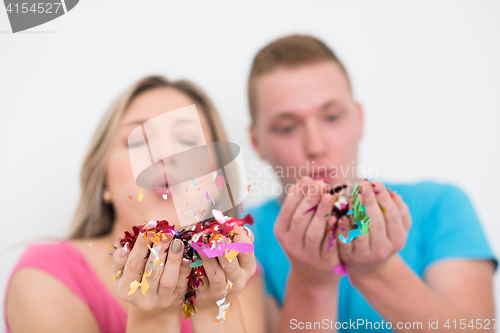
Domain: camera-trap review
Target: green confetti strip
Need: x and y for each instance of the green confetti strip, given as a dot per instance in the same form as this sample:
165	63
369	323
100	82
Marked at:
359	213
197	263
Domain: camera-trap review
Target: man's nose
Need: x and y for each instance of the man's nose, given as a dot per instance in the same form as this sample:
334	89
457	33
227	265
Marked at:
315	139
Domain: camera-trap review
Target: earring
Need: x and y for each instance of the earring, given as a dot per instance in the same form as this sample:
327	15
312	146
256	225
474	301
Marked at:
106	196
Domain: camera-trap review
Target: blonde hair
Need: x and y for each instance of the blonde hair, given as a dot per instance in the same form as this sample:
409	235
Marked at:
94	217
288	52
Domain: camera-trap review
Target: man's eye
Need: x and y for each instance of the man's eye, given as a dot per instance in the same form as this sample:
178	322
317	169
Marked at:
332	117
286	129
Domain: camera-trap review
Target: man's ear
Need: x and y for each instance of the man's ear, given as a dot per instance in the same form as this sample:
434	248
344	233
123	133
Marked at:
255	141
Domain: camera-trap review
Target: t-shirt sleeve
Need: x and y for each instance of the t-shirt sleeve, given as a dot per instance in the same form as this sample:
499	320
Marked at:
453	229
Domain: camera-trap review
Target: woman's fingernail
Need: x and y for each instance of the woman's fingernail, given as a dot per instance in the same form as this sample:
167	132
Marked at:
185	262
176	247
247	230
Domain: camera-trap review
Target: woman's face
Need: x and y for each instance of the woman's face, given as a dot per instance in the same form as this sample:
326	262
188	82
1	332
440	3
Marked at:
120	179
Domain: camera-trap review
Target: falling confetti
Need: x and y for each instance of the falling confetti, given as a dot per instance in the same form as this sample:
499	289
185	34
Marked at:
219	182
224	304
130	197
206	195
89	243
194	183
165	196
248	187
140	196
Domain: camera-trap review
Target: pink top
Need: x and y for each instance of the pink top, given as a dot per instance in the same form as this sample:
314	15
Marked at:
68	265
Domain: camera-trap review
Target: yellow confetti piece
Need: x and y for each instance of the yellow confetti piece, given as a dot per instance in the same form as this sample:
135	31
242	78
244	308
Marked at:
114	195
163	236
89	243
144	283
120	272
133	287
157	262
141	195
231	255
188	310
384	210
156	236
111	248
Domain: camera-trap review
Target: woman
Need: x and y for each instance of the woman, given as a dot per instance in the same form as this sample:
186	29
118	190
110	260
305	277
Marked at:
67	285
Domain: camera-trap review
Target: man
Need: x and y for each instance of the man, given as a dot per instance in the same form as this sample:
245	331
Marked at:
439	270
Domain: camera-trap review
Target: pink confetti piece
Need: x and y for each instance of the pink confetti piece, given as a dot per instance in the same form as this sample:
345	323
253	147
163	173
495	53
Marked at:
311	209
206	195
220	249
340	269
248	187
331	239
219	181
241	208
218	216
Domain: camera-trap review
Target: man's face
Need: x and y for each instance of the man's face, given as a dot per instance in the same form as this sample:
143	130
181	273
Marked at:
307	123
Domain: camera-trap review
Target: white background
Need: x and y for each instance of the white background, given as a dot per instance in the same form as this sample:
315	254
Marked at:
428	75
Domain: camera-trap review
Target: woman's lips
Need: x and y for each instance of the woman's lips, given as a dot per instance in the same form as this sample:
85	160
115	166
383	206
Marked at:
160	187
161	192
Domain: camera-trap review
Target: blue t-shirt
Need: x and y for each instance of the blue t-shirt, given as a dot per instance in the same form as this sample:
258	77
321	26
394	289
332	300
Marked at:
444	225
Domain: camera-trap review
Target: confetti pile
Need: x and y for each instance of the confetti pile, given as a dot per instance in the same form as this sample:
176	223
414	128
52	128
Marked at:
212	238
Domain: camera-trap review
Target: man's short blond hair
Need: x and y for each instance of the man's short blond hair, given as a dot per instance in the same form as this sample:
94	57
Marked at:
288	52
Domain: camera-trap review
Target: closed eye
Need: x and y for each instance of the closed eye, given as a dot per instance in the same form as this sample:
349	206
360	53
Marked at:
332	117
137	144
